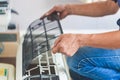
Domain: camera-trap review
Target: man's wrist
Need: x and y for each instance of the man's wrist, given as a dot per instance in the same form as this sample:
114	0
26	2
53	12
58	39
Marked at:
68	8
85	39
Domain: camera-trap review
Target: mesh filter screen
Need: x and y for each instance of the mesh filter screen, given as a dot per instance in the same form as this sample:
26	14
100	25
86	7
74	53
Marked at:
40	35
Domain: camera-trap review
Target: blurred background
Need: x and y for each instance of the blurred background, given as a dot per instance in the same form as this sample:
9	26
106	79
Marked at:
29	10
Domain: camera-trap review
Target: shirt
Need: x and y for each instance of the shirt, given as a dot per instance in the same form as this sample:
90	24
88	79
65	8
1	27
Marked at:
118	2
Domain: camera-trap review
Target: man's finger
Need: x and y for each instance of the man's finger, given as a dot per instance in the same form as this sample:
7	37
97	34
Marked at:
51	11
43	16
63	15
48	13
55	49
58	40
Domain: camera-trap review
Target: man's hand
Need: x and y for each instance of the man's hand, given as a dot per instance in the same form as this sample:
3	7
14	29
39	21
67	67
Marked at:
67	44
63	11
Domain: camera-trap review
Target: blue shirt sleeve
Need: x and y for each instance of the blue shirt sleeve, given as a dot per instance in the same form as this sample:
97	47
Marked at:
118	2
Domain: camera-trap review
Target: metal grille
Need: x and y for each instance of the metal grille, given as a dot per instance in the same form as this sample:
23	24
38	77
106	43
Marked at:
38	62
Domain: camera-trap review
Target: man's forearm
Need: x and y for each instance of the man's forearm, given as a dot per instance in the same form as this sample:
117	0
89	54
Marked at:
104	40
94	9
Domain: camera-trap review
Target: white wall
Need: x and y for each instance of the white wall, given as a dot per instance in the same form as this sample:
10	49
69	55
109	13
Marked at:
82	24
30	10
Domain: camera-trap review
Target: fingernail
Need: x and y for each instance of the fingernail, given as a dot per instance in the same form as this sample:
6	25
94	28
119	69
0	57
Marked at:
47	14
53	51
